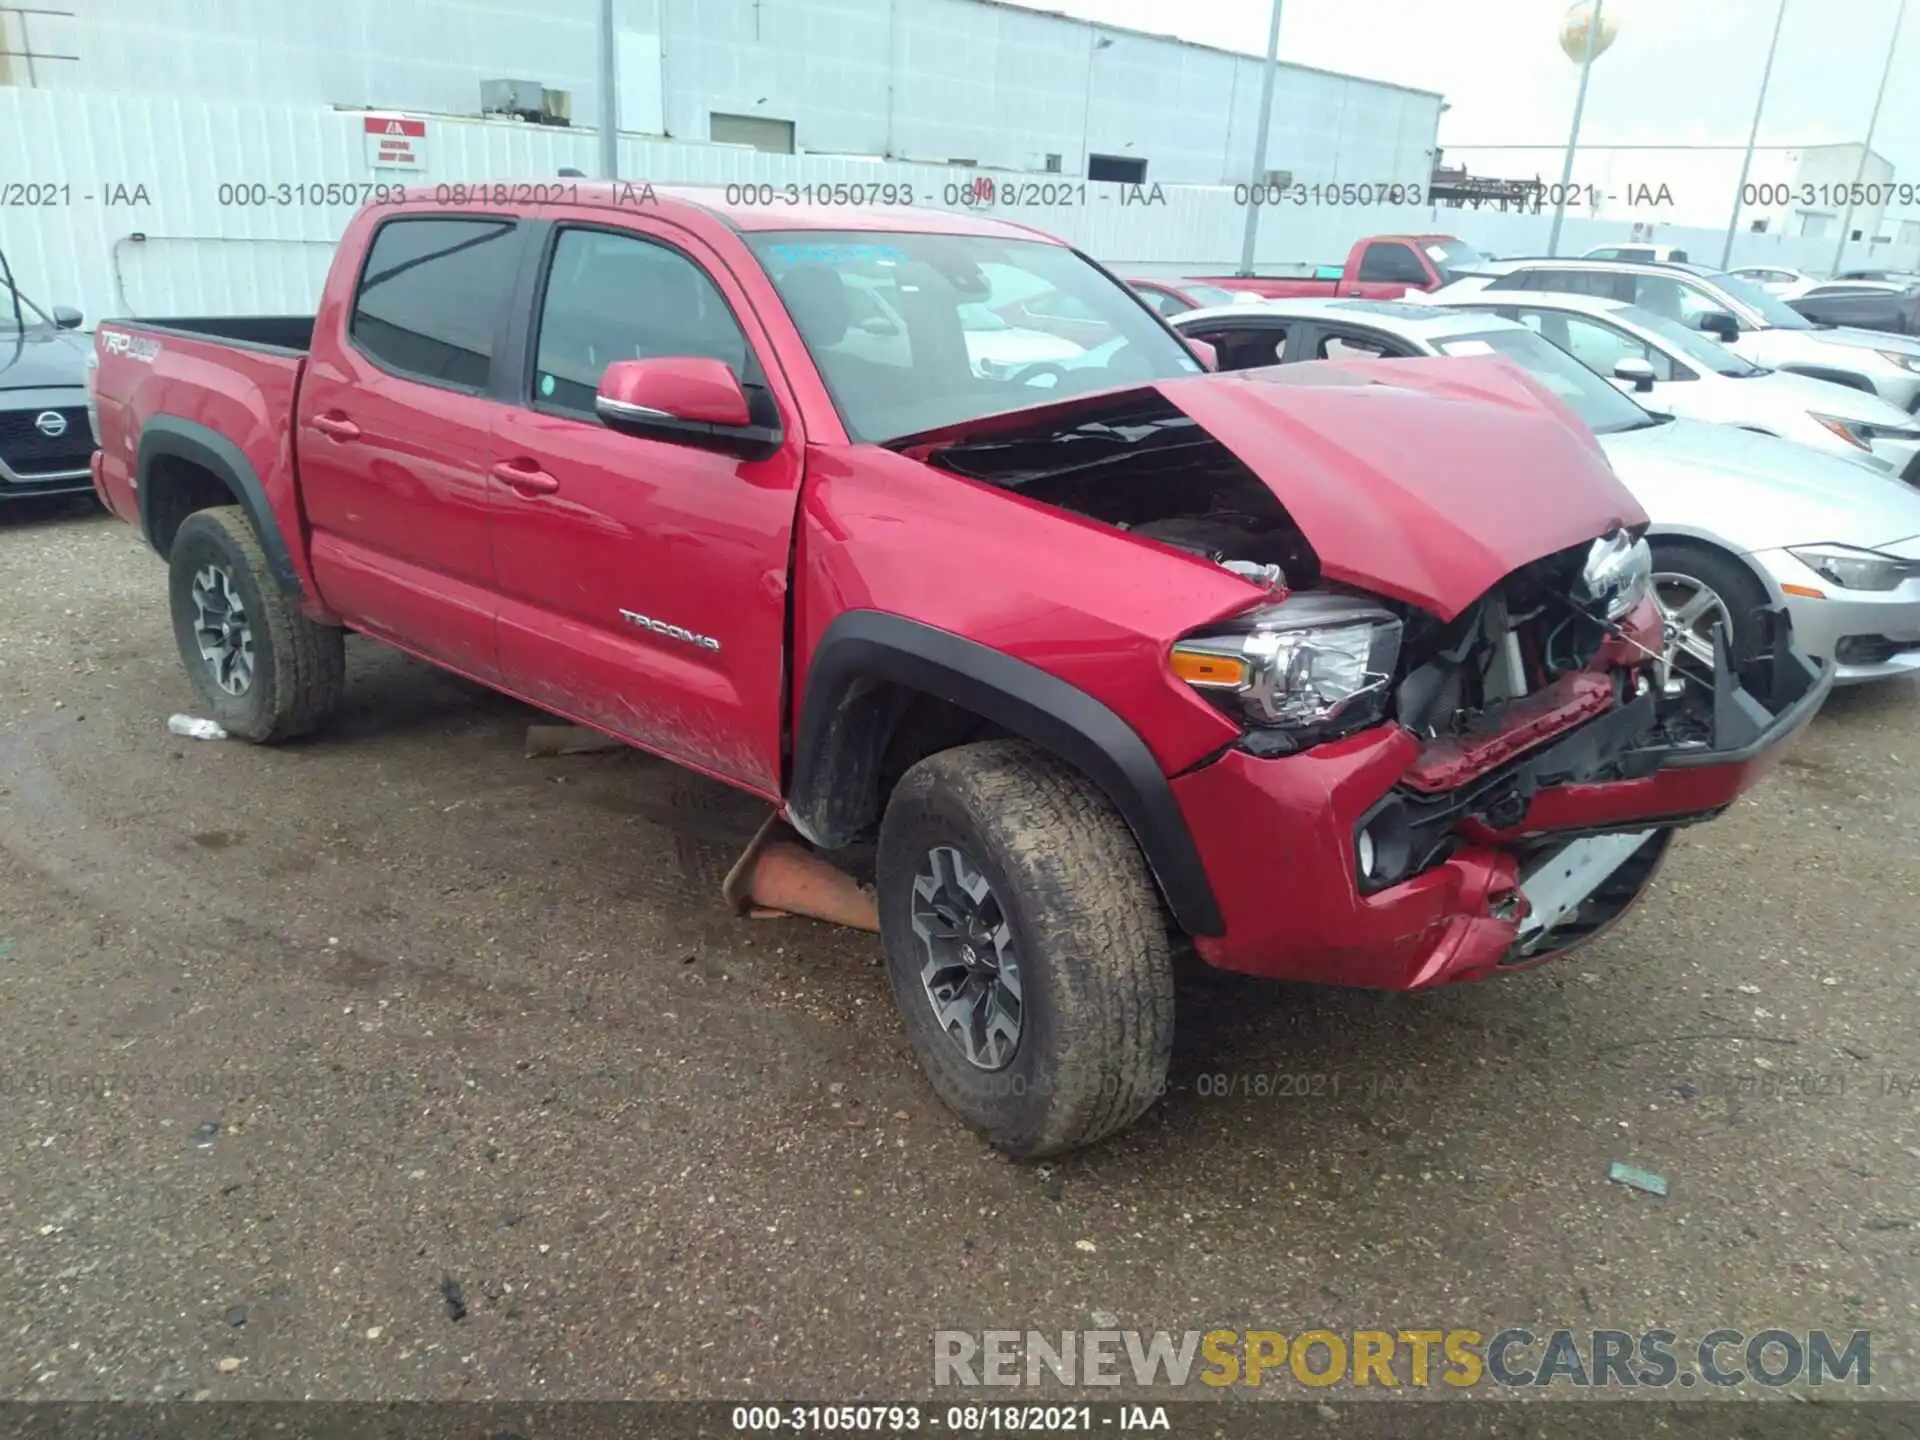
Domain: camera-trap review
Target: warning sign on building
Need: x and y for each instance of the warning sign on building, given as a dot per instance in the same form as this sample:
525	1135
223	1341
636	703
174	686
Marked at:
395	143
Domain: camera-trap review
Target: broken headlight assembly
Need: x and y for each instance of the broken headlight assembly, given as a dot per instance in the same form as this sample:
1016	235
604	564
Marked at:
1617	575
1314	665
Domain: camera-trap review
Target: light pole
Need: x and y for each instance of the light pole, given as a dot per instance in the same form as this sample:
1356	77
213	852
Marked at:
1873	121
609	98
1595	44
1746	165
1259	177
1095	45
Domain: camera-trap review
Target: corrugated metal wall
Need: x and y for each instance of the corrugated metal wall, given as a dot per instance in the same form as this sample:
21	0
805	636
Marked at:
200	256
919	80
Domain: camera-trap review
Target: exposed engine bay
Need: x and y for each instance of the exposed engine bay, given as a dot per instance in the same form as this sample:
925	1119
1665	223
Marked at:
1148	469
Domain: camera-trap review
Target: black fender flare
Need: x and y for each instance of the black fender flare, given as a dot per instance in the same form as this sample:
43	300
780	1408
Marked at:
1852	379
843	732
168	435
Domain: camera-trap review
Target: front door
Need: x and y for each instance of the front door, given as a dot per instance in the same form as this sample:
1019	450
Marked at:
643	582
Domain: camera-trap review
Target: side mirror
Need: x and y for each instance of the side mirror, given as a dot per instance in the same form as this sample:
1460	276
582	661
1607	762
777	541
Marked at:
65	317
1719	324
684	399
1637	370
1205	354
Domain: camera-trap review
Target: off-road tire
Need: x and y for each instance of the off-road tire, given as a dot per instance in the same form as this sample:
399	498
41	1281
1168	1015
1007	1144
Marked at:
1728	579
299	667
1095	957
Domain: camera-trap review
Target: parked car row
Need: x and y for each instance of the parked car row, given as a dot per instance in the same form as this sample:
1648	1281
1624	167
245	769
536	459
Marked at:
1362	673
1740	521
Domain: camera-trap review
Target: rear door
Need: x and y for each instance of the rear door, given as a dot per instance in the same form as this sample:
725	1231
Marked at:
395	436
643	582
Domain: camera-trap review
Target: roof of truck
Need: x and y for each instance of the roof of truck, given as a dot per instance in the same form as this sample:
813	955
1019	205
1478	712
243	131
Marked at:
745	212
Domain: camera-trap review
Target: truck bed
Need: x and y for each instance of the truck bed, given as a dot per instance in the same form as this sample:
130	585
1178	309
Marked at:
272	332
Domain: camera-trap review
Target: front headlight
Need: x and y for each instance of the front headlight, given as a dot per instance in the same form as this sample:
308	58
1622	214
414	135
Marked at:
1851	431
1852	568
1900	358
1314	663
1618	574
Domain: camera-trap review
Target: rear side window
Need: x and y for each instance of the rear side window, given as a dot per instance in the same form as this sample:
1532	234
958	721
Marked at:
617	297
1393	262
429	298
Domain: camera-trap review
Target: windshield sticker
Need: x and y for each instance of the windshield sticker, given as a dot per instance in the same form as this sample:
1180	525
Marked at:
1436	253
1467	347
830	254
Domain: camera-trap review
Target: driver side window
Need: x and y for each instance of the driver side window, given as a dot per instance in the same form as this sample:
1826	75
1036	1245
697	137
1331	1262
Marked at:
616	297
1248	349
1601	347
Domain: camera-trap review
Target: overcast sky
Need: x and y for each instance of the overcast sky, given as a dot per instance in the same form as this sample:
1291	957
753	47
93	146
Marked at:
1682	73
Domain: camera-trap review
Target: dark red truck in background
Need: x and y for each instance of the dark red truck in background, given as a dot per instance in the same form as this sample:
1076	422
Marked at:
1380	267
1338	674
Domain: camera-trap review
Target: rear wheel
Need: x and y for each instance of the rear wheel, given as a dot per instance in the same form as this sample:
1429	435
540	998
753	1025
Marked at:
1699	590
264	671
1029	955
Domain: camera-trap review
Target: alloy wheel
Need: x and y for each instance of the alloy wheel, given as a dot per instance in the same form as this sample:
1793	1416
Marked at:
1690	611
221	628
970	970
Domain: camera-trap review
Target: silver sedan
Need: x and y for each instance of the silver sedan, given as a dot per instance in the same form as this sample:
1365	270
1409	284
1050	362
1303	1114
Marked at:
1739	520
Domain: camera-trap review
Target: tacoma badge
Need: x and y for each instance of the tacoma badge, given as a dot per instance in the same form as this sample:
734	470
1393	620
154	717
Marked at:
672	632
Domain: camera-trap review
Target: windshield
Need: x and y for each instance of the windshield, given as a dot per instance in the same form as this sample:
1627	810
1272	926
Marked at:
1454	258
1690	343
31	314
1777	315
1604	409
912	331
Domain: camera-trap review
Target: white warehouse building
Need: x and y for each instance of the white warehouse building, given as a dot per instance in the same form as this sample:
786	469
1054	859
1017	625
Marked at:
931	81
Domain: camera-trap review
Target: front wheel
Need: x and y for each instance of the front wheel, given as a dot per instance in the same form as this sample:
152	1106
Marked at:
1029	956
264	671
1698	591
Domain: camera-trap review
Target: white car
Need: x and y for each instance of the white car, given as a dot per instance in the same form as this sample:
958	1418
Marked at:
1672	370
1739	521
995	348
1741	316
1777	280
1658	254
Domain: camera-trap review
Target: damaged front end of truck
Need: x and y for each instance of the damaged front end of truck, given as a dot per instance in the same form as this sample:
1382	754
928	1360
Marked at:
1463	748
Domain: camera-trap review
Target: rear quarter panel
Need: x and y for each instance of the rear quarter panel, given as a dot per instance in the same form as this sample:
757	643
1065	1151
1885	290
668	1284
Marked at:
243	393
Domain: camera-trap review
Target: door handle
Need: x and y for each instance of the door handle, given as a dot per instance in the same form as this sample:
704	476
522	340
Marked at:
526	480
336	427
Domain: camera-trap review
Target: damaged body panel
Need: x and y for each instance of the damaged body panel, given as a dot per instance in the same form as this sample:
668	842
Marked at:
1419	480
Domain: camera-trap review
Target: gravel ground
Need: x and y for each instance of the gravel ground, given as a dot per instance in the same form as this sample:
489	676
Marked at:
394	1064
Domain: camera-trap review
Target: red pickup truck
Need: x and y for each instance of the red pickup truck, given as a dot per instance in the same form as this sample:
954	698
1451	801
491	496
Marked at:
1380	267
1337	674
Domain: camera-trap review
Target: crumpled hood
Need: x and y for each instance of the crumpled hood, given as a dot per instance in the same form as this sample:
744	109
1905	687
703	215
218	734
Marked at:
47	359
1759	492
1424	480
1427	480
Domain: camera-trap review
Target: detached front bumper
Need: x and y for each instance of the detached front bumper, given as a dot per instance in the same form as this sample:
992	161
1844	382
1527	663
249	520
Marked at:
1279	836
